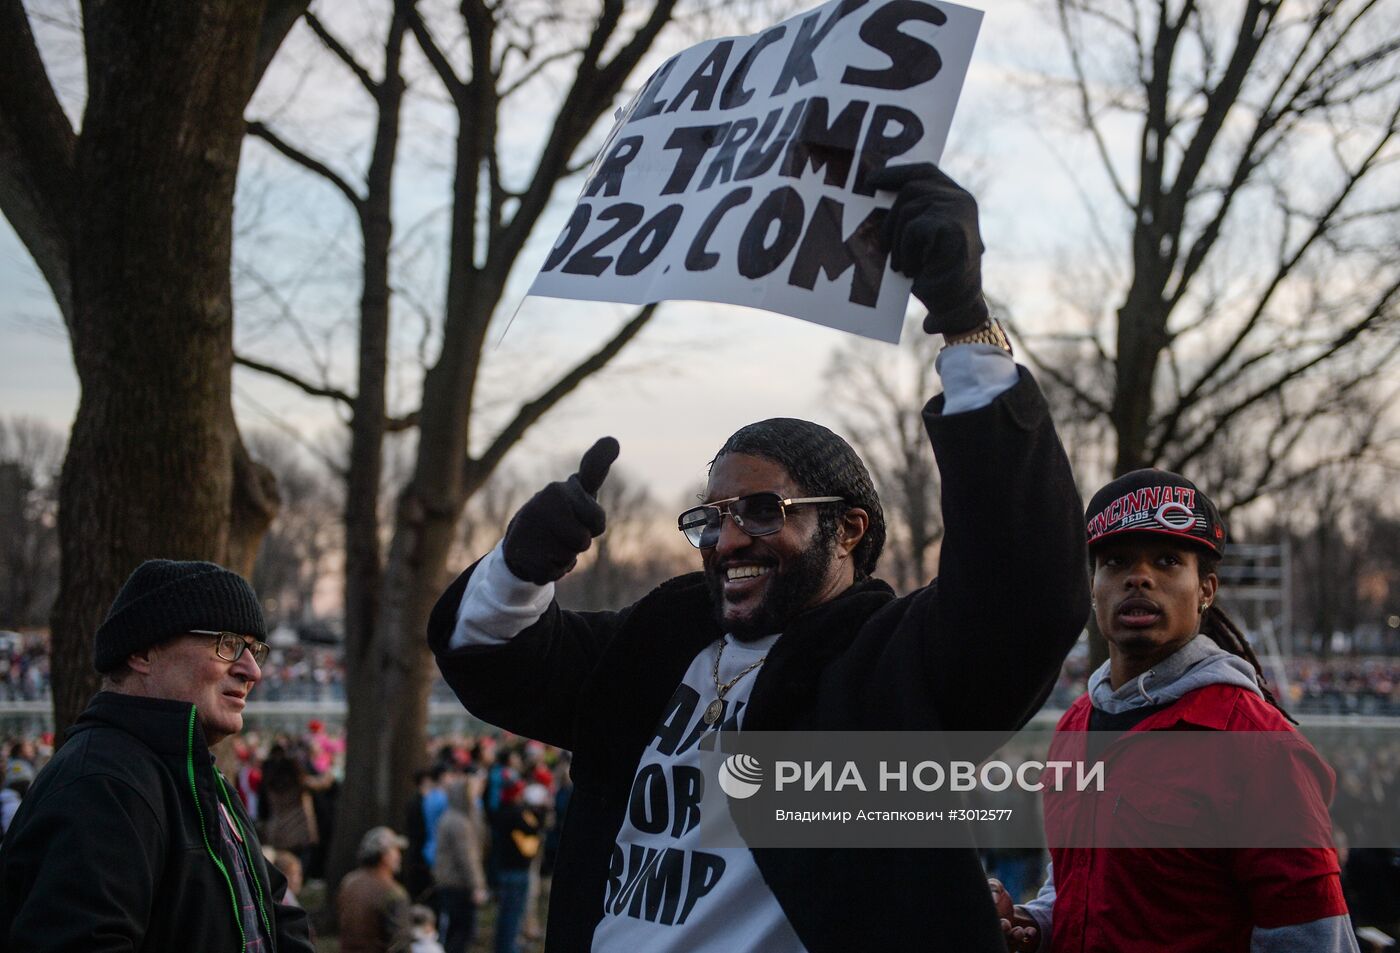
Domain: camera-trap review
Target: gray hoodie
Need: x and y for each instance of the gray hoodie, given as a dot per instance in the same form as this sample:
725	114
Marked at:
1196	664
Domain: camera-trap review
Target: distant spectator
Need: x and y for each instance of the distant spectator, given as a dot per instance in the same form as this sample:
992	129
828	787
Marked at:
425	932
515	844
563	791
287	862
247	781
17	778
457	867
417	871
286	797
371	906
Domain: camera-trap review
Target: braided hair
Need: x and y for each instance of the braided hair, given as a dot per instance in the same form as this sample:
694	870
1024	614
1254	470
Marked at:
1222	630
822	464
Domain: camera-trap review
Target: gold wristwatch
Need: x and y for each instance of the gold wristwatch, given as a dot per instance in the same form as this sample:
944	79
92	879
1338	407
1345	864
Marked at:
988	332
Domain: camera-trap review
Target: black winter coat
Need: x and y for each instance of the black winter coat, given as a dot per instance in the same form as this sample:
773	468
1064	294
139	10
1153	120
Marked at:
114	846
977	649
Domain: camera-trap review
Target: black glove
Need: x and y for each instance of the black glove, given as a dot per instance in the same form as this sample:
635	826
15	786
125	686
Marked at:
545	537
932	235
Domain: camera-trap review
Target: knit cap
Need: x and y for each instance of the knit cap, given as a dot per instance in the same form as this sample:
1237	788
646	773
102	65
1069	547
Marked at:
164	598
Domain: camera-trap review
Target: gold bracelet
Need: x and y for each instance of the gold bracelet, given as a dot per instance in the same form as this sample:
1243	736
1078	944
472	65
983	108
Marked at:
989	332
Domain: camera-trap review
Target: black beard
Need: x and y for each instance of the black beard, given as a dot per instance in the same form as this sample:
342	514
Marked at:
790	591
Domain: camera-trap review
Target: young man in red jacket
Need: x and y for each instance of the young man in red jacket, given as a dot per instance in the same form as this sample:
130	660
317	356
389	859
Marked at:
1177	663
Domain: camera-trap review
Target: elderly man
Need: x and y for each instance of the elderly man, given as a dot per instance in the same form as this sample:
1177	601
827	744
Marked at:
130	839
786	628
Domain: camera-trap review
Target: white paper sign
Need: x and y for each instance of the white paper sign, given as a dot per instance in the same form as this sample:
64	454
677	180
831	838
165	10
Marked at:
739	172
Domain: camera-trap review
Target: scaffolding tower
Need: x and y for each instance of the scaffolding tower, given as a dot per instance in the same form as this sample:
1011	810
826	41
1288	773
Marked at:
1256	586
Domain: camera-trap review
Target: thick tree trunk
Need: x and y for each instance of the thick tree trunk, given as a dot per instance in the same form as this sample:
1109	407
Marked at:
1141	340
149	471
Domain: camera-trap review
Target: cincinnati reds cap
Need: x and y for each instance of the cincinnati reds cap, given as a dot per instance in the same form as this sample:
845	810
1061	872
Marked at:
1155	501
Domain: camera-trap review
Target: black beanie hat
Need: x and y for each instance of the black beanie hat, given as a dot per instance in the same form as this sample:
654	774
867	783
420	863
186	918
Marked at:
165	598
823	464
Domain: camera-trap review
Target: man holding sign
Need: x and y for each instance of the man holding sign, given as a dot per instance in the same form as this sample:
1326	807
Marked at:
786	628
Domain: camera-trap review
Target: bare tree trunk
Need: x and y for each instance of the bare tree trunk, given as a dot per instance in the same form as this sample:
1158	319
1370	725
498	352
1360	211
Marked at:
131	225
149	470
1141	340
365	729
389	669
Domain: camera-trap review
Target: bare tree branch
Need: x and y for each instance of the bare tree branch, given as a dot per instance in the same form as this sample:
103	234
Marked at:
261	131
344	55
1086	111
539	66
1254	24
593	90
454	85
1271	115
1286	267
278	20
1050	370
1222	418
529	413
400	424
37	148
284	375
1209	333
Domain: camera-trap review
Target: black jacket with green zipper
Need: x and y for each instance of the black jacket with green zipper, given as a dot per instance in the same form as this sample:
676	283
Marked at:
116	847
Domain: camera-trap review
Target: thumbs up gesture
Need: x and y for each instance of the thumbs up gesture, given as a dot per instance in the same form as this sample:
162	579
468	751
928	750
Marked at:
546	535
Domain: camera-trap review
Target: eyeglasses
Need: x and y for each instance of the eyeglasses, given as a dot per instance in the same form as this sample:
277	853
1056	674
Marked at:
758	514
230	646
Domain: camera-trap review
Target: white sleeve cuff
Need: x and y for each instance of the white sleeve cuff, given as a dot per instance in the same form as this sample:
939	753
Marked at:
497	606
1328	935
1042	908
974	375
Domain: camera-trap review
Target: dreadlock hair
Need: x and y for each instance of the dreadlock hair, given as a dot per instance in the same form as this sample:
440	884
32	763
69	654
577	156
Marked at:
1223	631
822	464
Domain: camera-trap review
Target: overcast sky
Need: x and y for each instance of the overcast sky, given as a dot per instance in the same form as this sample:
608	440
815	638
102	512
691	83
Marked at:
698	373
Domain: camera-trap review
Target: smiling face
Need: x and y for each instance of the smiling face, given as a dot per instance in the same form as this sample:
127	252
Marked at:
188	669
1148	594
758	583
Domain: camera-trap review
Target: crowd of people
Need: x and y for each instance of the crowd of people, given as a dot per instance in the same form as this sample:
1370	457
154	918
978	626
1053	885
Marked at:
304	673
1345	685
1339	684
481	829
24	666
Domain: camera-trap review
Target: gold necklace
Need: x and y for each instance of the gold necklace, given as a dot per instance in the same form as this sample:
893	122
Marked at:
716	708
